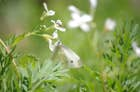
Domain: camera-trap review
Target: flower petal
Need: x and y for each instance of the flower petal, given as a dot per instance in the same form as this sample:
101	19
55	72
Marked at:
59	22
86	18
75	16
93	3
73	24
50	13
85	27
58	25
55	34
110	24
62	29
73	9
45	6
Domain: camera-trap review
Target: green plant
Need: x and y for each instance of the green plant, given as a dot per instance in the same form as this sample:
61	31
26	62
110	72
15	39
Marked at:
111	64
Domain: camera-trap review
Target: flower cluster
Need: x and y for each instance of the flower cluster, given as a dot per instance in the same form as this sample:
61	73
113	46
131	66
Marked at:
54	42
58	25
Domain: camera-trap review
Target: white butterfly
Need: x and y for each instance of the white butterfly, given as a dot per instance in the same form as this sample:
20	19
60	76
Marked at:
71	56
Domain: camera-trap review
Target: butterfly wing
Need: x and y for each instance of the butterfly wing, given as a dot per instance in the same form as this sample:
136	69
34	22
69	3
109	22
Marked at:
72	57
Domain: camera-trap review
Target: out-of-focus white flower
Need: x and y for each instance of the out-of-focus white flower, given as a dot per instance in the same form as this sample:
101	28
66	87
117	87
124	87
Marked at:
58	25
79	20
110	24
93	3
48	12
55	34
72	57
136	48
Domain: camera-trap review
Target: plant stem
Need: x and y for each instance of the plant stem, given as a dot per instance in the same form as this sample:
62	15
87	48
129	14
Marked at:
8	51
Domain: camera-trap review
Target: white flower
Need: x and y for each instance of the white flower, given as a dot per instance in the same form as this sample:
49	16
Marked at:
59	22
136	48
93	3
48	12
51	13
55	34
79	20
58	25
72	57
110	24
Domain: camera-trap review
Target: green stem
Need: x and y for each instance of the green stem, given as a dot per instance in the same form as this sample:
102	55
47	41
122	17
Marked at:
13	61
33	33
103	82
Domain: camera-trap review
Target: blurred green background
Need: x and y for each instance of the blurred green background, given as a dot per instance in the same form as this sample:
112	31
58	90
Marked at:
18	16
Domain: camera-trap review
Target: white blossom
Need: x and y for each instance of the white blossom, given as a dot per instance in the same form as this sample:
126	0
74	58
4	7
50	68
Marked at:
48	12
136	48
59	22
58	25
79	20
110	24
55	34
45	6
93	3
51	13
